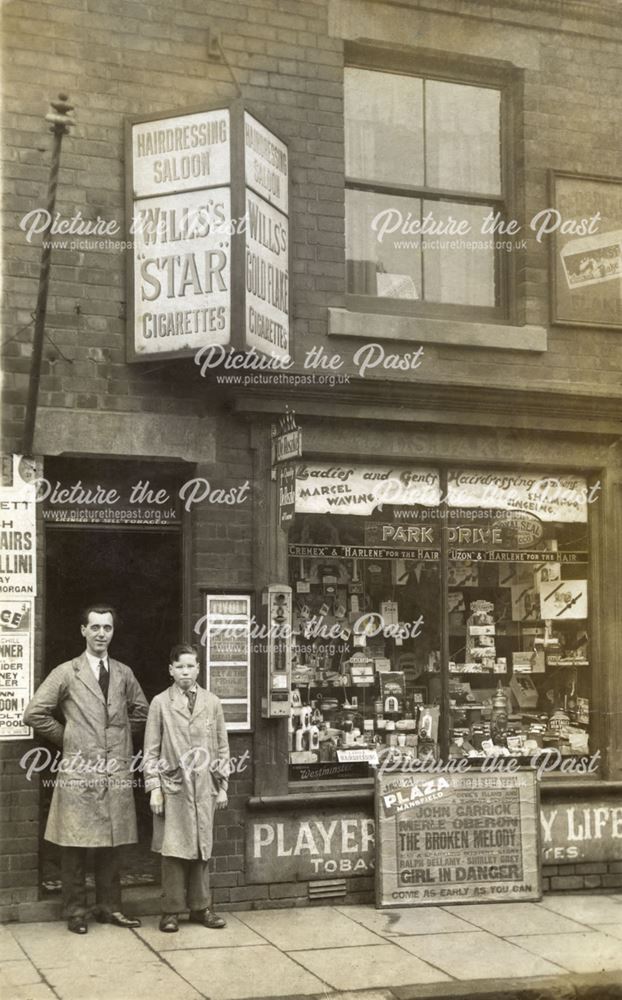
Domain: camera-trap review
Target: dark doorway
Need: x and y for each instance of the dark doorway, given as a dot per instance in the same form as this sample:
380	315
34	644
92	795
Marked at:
139	572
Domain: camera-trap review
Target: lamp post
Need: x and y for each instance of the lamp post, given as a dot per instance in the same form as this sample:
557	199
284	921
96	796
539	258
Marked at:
61	122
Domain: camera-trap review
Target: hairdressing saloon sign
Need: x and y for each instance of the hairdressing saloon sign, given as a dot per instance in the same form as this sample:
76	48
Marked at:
207	208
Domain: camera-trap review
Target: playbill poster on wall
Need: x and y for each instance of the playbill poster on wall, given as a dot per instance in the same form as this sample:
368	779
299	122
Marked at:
454	838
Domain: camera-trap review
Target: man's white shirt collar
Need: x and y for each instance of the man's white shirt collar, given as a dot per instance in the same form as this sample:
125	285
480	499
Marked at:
94	662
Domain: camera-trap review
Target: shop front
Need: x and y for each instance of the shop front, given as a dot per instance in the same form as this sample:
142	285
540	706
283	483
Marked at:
447	617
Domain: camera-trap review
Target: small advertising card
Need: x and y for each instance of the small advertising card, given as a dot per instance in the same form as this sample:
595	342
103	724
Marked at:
564	600
525	604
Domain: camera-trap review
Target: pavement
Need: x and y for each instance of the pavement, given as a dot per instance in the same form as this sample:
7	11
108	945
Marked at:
566	947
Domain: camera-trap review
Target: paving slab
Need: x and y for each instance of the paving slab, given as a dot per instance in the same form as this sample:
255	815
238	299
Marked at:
319	927
261	971
30	991
234	935
358	968
52	945
507	919
10	950
21	973
590	951
585	909
406	920
110	980
614	930
478	955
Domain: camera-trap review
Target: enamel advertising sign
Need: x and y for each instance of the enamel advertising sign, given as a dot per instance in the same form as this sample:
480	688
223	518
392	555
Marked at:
207	209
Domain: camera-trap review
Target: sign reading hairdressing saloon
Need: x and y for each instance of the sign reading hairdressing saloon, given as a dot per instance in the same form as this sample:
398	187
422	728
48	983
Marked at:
453	838
207	207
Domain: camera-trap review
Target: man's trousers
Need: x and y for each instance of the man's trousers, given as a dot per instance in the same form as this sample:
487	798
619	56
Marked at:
107	880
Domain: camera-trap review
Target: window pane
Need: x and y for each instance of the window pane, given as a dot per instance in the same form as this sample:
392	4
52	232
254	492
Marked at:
460	276
462	138
380	259
384	127
355	688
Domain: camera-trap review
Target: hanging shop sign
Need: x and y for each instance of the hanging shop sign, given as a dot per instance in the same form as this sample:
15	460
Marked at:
287	492
286	439
182	272
322	488
227	631
18	566
456	838
266	163
16	634
266	263
181	153
581	829
299	845
207	208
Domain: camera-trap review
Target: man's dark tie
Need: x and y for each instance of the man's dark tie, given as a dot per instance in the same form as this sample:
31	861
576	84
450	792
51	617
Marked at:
104	679
192	697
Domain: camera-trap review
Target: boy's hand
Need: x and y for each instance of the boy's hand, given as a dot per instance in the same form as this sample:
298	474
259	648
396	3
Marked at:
157	802
221	799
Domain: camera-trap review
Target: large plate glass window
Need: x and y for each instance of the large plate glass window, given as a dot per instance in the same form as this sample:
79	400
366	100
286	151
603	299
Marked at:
367	675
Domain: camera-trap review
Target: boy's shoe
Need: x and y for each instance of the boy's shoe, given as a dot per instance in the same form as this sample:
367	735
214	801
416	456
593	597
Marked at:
169	923
207	918
78	925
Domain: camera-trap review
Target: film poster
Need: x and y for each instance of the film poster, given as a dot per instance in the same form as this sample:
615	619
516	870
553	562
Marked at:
451	838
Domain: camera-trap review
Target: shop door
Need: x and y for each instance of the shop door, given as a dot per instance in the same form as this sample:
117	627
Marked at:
138	572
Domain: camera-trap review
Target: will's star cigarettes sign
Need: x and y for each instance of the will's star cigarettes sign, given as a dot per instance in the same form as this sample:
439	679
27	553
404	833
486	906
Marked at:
207	205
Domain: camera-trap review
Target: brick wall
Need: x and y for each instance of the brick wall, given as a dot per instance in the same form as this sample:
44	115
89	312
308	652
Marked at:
592	875
124	57
138	57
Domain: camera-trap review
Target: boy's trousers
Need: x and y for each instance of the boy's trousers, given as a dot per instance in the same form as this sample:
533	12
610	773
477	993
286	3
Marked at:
185	884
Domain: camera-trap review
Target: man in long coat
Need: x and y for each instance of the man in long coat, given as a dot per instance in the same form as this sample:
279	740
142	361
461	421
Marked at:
186	766
101	703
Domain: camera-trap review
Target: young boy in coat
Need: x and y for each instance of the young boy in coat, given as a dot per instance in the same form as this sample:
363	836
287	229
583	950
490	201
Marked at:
186	775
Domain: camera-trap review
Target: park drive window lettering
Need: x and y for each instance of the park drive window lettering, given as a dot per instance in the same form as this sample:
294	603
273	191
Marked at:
424	179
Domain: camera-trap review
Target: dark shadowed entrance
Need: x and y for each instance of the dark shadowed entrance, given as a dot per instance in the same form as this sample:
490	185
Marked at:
139	572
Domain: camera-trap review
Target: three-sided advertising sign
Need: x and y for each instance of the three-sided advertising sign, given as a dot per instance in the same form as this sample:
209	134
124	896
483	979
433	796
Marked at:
207	209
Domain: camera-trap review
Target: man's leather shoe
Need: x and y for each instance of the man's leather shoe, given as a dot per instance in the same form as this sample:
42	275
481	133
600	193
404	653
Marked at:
118	919
77	925
207	918
169	923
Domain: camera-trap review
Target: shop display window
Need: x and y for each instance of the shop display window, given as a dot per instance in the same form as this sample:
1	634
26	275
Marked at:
366	623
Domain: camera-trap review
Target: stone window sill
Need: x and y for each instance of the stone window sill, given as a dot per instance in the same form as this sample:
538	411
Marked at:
423	330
